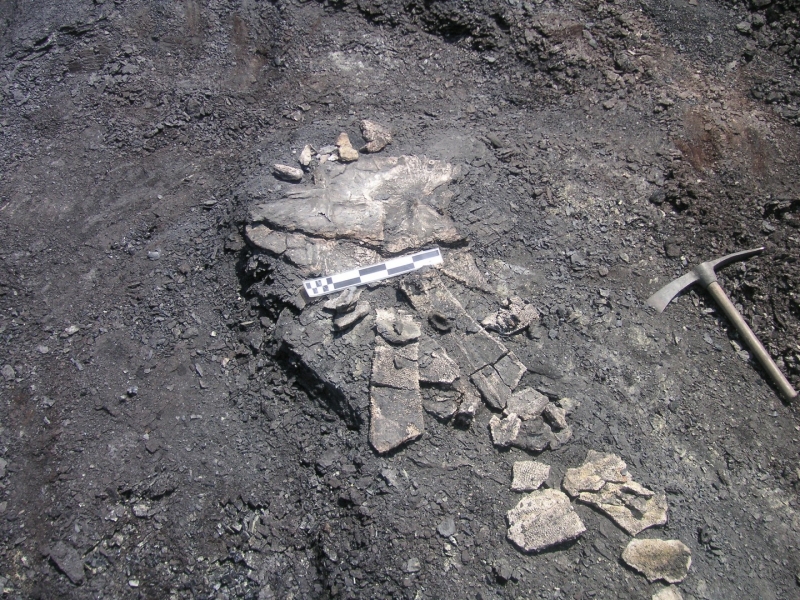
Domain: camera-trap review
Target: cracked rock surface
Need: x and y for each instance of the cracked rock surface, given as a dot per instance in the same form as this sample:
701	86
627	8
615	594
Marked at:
603	482
543	519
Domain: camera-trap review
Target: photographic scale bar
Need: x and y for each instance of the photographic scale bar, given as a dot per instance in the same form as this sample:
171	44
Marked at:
372	273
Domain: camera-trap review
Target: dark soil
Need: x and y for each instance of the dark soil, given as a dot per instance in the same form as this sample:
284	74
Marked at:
153	430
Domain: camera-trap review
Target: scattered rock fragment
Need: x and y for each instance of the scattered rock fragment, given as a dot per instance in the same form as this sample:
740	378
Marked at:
305	155
396	328
542	519
287	173
668	560
348	319
527	403
603	482
492	388
377	136
594	473
555	416
68	561
412	565
346	151
446	527
667	593
504	431
535	436
344	302
529	475
8	372
470	403
516	317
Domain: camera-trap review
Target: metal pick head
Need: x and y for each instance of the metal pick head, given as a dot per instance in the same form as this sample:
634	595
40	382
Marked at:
664	296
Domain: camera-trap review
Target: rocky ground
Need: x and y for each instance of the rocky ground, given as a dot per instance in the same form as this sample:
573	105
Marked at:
165	431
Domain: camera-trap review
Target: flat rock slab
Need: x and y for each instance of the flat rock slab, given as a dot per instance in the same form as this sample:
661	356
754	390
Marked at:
395	366
377	200
597	470
603	482
527	403
504	431
68	561
395	417
529	475
542	519
668	560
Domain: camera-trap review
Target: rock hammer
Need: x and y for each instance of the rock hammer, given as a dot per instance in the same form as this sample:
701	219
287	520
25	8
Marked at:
705	273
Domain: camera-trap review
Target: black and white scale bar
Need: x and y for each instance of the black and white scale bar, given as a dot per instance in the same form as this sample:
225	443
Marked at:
372	273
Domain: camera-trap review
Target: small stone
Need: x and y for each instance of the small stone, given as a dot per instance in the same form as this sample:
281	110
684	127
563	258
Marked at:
512	320
8	372
542	519
134	583
672	248
344	302
535	436
3	466
602	270
743	27
71	330
152	445
42	349
668	560
503	572
305	155
568	404
349	319
132	391
154	255
68	561
346	151
141	510
287	173
668	593
555	417
527	403
504	431
446	527
348	154
396	328
377	136
467	410
390	477
412	565
529	475
658	197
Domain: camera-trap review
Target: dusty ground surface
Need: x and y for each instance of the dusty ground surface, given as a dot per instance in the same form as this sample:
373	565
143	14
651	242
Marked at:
157	441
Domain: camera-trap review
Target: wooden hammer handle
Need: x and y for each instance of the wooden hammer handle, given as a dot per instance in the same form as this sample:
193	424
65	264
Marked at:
752	341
